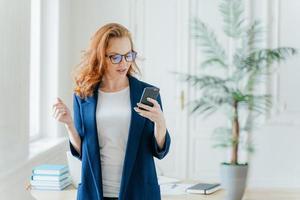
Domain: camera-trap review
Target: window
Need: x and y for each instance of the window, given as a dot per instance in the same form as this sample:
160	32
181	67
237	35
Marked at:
34	126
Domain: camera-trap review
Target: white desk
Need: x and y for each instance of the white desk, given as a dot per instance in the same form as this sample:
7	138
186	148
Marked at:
67	194
253	194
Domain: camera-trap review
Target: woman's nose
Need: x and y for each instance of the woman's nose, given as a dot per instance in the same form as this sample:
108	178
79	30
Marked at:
123	61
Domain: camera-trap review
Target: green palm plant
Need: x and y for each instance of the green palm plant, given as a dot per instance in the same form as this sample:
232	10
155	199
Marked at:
249	66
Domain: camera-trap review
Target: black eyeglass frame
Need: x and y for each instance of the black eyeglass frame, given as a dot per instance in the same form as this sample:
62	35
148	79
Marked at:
134	53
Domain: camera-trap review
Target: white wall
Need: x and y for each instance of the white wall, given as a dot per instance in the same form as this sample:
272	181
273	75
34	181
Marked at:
161	32
276	162
192	144
16	153
87	16
14	81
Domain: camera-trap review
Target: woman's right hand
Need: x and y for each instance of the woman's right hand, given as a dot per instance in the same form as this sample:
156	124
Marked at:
62	113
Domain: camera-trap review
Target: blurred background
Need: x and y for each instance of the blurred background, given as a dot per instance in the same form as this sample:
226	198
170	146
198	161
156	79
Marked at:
41	43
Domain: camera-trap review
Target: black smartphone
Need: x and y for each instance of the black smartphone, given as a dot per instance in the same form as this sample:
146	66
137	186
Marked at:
149	92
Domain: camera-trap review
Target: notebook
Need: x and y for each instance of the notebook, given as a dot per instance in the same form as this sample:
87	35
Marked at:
204	188
47	187
43	177
50	183
50	169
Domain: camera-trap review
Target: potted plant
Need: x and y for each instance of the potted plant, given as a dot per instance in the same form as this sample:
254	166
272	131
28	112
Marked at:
237	91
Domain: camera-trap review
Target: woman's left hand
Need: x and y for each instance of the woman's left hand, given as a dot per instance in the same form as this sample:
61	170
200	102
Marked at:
156	115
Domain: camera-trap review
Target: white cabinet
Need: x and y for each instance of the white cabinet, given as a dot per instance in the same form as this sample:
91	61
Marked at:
161	34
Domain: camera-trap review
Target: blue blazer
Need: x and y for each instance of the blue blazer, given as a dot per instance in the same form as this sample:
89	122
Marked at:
139	178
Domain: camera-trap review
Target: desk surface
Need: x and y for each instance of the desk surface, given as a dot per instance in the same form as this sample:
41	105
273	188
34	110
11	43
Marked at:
251	194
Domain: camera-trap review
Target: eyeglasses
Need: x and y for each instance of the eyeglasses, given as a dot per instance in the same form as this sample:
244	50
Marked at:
117	58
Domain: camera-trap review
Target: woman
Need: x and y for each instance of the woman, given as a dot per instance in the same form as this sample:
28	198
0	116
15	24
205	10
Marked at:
114	135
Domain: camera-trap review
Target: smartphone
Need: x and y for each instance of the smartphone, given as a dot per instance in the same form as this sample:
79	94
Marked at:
149	92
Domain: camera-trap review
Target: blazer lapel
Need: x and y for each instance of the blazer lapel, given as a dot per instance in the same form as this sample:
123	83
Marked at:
91	137
136	126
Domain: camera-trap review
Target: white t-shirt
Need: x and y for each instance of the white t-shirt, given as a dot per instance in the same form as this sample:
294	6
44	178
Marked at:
113	116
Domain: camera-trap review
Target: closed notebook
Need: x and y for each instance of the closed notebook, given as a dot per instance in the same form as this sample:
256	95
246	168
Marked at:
204	188
50	183
50	169
50	177
45	187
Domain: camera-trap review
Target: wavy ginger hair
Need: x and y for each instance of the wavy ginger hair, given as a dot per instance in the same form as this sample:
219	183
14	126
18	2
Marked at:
92	67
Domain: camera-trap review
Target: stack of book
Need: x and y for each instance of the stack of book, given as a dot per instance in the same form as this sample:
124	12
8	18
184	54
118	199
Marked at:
50	177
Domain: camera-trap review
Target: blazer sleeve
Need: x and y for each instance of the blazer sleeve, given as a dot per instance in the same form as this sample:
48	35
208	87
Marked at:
157	152
78	127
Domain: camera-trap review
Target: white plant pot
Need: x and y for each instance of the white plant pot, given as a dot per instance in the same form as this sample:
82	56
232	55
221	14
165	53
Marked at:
233	180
